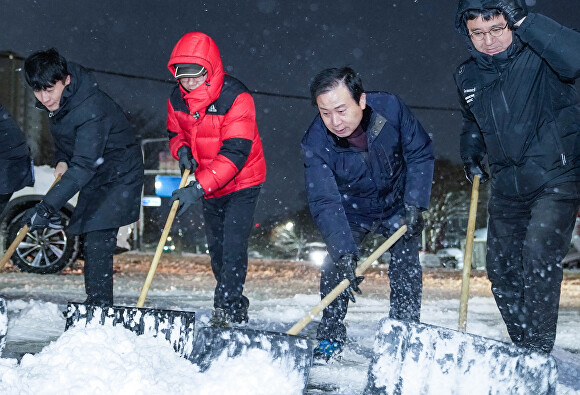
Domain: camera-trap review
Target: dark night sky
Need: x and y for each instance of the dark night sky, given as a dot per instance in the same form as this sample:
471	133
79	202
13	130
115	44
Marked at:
408	47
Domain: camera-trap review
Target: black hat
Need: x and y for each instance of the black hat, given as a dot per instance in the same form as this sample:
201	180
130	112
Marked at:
189	70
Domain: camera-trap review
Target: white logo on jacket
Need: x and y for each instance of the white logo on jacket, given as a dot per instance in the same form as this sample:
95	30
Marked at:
470	94
212	109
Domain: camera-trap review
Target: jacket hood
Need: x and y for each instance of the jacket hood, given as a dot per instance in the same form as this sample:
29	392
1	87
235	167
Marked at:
465	5
200	49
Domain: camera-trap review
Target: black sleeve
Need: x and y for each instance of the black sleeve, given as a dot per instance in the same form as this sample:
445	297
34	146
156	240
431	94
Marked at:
237	150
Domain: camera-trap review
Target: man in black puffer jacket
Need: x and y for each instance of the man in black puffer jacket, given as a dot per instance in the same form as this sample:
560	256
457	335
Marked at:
521	111
97	155
15	163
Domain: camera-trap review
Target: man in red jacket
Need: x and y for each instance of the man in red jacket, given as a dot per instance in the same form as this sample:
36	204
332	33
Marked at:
212	128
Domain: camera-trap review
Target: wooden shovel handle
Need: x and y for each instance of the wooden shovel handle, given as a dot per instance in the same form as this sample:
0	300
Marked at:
19	237
161	244
467	258
345	283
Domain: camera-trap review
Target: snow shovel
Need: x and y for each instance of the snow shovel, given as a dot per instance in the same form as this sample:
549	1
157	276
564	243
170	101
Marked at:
19	237
295	351
3	323
413	358
468	255
176	326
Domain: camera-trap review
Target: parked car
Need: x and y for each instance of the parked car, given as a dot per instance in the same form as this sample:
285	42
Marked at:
51	251
48	251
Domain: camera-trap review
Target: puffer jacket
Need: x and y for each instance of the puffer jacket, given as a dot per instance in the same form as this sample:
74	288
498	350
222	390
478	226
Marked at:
520	107
92	135
346	185
15	163
217	121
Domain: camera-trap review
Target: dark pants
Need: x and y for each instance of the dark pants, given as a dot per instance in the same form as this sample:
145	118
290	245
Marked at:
99	247
229	221
406	283
526	242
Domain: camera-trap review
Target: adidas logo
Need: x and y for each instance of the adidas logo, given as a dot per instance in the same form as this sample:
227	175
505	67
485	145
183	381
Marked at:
212	108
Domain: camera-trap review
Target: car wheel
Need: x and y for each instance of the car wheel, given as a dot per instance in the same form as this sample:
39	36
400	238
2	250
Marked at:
43	252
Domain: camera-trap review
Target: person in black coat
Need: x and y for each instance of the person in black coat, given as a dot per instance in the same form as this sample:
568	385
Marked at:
16	171
521	112
97	155
368	169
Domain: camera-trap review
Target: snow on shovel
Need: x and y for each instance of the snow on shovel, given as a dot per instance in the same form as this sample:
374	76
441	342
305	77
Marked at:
295	351
412	358
177	327
3	323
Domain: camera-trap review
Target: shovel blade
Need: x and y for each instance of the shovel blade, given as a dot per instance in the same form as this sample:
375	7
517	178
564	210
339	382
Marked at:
177	327
293	351
423	359
3	323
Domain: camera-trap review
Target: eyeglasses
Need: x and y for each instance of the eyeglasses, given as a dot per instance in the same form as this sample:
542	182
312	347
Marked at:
494	32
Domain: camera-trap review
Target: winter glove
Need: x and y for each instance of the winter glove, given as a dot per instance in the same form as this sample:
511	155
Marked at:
41	217
473	167
187	196
186	160
413	220
346	267
513	10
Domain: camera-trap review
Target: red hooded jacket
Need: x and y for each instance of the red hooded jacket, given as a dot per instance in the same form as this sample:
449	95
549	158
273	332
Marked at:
217	120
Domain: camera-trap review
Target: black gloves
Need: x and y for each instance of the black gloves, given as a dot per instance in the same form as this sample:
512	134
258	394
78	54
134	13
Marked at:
42	216
473	167
345	268
413	220
186	160
513	10
187	196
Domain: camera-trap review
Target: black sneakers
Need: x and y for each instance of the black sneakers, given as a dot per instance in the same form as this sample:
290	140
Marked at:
223	318
220	319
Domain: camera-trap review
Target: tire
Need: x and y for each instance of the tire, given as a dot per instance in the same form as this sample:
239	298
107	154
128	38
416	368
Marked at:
43	252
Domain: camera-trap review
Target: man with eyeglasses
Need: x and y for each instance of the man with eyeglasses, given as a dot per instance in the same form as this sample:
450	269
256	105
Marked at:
521	112
212	128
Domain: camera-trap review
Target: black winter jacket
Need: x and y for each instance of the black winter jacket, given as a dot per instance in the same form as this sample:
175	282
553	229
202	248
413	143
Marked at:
93	136
521	108
15	163
346	185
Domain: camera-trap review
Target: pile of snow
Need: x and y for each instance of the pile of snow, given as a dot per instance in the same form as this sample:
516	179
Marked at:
100	359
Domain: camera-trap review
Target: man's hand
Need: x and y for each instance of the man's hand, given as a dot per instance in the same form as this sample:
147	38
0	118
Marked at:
413	220
513	10
187	196
346	267
473	167
41	217
60	169
186	160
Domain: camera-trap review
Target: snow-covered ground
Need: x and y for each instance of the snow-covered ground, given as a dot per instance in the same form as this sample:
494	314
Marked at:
112	360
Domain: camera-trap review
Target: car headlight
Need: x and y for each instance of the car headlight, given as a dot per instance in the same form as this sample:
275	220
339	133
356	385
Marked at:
317	257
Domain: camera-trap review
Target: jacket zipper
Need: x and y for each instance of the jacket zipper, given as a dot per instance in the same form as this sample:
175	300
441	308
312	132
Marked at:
502	148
